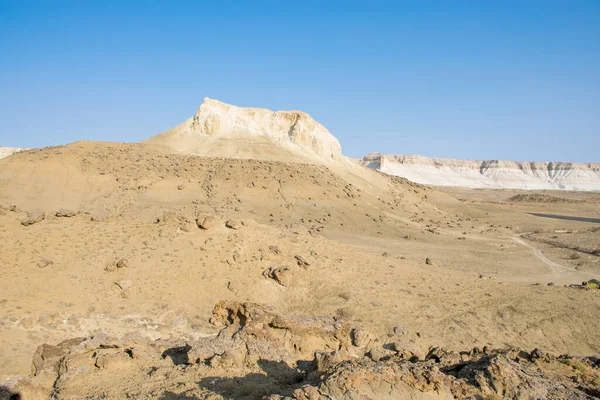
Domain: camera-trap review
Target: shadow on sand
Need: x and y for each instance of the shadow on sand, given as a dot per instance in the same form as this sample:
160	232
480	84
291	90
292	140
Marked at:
278	378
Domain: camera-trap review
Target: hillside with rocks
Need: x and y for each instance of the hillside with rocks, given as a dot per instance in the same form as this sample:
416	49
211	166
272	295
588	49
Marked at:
331	280
494	174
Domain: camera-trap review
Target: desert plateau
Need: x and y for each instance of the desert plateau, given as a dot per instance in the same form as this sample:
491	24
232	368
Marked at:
240	255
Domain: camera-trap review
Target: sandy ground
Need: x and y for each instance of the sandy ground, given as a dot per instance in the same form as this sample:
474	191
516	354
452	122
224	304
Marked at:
365	236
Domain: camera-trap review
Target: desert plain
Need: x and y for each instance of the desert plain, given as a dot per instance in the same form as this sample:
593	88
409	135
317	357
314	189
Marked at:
162	270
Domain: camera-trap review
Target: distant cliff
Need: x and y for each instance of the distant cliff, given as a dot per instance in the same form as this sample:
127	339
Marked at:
487	174
7	151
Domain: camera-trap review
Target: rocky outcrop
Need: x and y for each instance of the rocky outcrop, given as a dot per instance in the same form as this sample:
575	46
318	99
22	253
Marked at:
497	174
260	352
219	129
488	374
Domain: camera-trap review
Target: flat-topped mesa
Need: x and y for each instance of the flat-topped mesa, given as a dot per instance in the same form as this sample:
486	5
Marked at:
498	174
294	132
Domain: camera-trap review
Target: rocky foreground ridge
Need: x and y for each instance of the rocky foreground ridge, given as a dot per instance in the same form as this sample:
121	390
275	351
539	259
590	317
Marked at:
496	174
260	352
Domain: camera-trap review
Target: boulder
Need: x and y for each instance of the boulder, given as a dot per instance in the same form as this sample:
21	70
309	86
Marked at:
207	222
359	337
33	218
64	212
234	224
44	262
281	275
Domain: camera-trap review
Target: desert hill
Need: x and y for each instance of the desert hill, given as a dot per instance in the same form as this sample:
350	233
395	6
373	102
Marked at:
496	174
145	179
219	129
114	256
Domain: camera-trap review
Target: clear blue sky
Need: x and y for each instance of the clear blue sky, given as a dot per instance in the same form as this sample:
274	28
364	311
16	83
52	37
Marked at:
477	80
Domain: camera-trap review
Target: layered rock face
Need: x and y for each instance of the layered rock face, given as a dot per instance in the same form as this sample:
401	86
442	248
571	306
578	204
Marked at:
220	129
7	151
496	174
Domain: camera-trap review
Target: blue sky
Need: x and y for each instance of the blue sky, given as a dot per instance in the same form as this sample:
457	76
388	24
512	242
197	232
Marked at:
478	80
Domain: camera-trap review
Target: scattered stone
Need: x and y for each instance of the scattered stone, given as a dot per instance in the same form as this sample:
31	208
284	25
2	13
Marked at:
115	264
550	283
399	331
281	275
233	224
33	218
188	227
180	187
359	337
207	222
274	249
324	360
301	261
64	212
44	262
376	355
407	350
576	286
428	261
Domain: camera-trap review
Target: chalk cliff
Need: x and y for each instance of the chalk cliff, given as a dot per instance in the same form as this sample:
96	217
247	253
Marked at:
487	174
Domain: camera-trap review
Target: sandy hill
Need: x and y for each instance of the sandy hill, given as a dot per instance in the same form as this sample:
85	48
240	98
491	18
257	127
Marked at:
496	174
146	178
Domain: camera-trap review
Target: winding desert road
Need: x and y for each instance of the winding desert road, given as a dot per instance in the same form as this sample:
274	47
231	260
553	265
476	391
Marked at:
555	267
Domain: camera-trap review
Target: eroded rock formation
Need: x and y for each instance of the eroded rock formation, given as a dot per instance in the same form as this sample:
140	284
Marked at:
260	352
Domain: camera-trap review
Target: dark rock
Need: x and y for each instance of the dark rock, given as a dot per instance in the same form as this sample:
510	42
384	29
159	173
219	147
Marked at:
63	212
33	218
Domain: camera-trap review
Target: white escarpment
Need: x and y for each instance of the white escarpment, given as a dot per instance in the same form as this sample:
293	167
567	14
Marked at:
496	174
7	151
219	129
